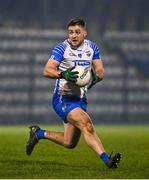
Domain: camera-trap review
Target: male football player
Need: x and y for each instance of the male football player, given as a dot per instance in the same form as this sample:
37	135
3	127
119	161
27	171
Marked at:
69	100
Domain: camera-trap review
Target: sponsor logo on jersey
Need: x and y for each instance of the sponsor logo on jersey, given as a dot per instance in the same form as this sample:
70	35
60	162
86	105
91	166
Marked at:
72	54
79	55
88	53
81	62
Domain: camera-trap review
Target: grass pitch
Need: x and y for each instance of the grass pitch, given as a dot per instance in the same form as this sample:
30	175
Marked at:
50	161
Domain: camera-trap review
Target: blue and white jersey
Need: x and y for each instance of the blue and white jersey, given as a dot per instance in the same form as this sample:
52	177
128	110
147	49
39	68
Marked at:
68	57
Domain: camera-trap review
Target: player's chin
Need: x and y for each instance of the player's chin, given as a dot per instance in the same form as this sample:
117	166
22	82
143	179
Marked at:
75	44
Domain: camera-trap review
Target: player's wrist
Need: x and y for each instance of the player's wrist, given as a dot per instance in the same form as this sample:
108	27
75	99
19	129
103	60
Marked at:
98	79
95	80
61	76
64	75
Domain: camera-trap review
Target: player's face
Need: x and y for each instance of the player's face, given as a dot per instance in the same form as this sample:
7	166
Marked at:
76	35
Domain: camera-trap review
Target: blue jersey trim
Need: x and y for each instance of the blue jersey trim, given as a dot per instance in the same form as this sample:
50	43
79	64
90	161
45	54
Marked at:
58	52
96	54
57	86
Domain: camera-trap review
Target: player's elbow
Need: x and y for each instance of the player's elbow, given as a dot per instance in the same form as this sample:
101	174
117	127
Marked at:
45	72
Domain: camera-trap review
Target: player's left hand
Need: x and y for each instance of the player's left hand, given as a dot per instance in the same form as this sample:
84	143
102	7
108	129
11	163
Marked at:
95	79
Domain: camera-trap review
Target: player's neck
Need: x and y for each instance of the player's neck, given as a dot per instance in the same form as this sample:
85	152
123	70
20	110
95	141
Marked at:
75	47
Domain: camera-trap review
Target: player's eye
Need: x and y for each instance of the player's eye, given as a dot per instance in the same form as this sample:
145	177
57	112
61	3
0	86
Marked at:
70	32
78	32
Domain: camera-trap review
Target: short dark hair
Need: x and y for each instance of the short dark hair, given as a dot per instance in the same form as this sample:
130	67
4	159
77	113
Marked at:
74	22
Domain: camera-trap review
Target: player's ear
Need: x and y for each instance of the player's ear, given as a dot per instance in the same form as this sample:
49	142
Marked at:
85	34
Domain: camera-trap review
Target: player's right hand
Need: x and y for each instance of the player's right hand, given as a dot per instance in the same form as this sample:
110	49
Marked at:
69	75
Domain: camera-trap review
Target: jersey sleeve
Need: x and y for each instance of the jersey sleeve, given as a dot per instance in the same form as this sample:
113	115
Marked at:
58	52
96	51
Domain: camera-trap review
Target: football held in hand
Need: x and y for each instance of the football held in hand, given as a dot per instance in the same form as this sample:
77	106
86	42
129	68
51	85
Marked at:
84	76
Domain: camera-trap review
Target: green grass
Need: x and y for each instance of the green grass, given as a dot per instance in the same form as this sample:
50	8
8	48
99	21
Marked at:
50	161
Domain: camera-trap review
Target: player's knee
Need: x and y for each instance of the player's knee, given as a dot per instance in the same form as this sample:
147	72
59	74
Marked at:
70	145
89	127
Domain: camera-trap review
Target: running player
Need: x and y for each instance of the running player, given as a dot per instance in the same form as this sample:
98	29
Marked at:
69	100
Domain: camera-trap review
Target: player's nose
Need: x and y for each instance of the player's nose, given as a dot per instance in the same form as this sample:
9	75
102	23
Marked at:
74	35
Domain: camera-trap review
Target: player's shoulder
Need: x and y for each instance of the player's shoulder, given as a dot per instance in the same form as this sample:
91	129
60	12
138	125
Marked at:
61	46
58	51
92	44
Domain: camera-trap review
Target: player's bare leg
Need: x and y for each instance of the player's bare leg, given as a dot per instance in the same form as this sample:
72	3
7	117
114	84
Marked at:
81	119
69	138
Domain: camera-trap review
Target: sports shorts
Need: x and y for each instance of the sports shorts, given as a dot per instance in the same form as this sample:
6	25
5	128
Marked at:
65	104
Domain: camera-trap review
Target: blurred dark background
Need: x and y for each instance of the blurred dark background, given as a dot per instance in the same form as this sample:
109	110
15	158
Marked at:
30	29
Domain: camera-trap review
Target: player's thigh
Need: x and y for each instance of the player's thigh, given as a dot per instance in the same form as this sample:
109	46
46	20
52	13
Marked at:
71	134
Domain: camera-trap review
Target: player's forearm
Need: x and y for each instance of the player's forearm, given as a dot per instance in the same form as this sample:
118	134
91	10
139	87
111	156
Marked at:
51	73
98	68
100	72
